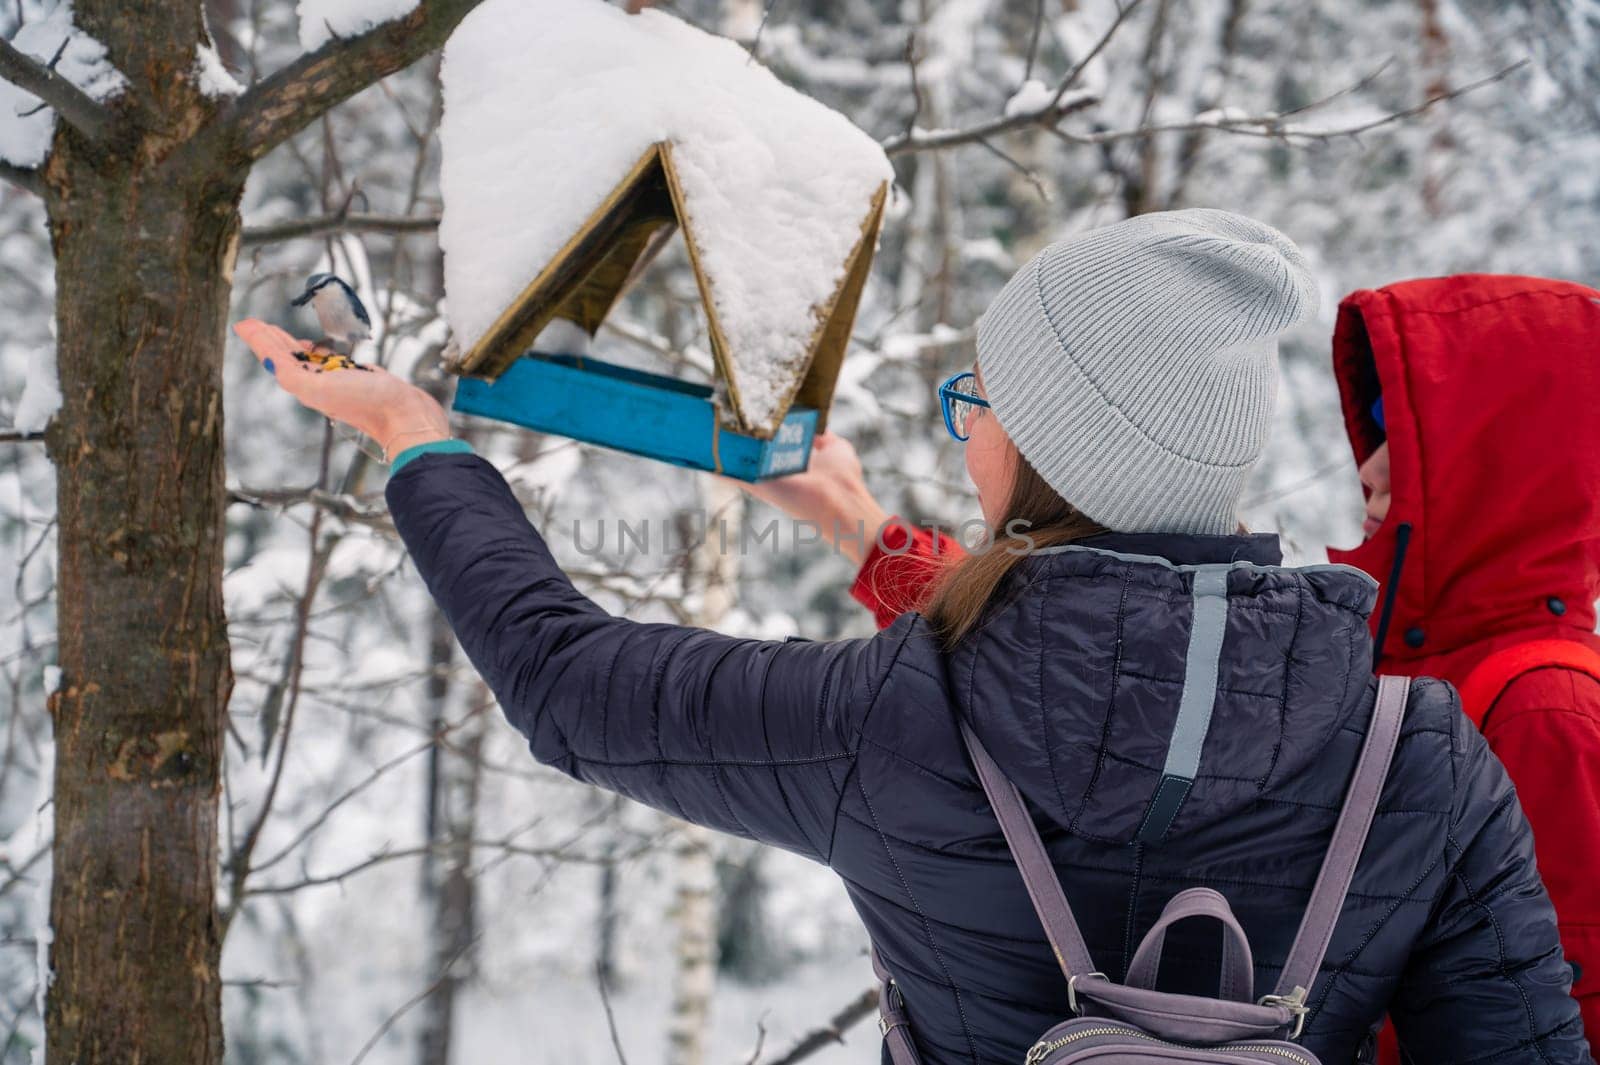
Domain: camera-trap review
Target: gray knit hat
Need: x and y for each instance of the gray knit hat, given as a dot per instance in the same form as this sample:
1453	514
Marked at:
1136	366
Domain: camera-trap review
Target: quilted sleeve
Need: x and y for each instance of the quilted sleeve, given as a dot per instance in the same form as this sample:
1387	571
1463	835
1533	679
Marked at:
750	737
1488	981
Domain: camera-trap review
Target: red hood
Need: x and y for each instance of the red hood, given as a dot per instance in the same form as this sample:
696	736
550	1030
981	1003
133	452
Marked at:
1491	394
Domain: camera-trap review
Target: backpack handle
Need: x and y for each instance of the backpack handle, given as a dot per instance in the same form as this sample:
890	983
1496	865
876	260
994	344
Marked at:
1238	968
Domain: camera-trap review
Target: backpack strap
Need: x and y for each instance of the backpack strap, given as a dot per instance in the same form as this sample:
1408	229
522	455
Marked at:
893	1023
1038	874
1344	850
1491	677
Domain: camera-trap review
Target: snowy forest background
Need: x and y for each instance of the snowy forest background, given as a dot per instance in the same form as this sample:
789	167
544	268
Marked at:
400	881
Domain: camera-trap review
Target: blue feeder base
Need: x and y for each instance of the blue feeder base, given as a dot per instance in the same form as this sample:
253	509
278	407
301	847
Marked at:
630	410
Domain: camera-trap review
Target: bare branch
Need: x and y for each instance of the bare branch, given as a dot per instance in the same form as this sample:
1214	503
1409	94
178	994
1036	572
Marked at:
275	109
1275	128
341	506
342	222
21	436
1028	175
1047	117
1063	102
238	866
1123	11
832	1032
611	1017
559	855
1033	40
80	110
761	1041
916	88
393	1018
25	178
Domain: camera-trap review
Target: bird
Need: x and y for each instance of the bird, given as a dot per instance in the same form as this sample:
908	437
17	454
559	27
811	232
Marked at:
345	322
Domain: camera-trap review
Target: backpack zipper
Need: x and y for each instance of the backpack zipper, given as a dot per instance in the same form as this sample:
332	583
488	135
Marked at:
1042	1049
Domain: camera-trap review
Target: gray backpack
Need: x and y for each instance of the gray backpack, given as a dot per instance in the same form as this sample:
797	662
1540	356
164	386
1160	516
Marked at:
1132	1023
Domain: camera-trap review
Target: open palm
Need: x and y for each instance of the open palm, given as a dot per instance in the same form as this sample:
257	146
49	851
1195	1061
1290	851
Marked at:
374	401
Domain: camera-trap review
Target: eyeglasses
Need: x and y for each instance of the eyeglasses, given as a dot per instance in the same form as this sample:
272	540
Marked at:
960	399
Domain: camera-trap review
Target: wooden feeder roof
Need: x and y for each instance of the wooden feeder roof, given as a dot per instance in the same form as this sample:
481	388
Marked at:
577	137
614	245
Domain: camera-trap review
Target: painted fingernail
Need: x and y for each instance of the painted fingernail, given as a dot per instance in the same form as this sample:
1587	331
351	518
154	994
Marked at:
271	369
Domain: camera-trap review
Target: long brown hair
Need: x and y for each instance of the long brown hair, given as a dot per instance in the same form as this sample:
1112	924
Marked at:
1035	516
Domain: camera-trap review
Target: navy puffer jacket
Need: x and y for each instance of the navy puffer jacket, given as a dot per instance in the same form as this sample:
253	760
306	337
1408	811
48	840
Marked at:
848	753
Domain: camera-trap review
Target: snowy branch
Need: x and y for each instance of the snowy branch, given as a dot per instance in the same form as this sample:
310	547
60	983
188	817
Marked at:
1275	127
341	222
80	110
1064	100
924	140
25	178
276	108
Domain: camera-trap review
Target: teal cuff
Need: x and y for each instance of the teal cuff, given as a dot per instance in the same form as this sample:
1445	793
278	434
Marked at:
445	446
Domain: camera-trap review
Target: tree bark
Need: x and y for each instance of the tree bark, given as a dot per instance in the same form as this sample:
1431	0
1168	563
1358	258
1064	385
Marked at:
144	238
143	197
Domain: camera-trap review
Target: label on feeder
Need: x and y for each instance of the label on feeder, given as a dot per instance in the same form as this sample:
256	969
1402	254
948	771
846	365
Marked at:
789	448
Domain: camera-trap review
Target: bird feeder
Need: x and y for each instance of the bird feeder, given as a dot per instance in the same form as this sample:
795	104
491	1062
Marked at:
779	244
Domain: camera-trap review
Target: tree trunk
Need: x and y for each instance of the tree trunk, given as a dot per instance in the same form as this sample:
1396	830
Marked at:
144	240
1436	71
455	772
608	921
694	913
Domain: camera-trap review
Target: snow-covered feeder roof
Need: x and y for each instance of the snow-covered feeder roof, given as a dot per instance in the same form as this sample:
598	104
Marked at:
576	136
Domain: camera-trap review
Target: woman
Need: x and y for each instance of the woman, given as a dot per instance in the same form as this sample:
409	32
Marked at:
1125	382
1471	405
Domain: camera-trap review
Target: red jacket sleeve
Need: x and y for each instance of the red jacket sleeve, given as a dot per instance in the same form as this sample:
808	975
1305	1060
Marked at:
1546	729
901	569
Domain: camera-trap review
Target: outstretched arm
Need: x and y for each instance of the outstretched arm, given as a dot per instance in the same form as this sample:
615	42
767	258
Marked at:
748	736
753	737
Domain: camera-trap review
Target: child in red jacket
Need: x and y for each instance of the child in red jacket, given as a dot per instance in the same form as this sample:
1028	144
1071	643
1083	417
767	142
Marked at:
1473	407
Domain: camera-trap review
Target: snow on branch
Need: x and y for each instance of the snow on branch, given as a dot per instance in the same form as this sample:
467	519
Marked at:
276	108
86	114
1047	116
1226	120
1033	106
1277	126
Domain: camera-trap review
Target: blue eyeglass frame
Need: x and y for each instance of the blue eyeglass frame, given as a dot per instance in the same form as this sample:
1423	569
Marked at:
950	395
